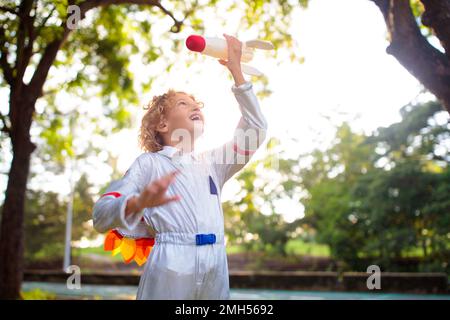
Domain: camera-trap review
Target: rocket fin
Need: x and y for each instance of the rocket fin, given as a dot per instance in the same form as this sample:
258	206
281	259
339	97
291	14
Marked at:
259	44
250	70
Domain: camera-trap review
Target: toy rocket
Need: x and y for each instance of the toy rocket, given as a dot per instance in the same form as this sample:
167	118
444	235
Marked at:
217	48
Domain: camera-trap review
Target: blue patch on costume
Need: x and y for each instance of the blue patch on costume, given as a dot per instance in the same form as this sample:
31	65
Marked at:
212	186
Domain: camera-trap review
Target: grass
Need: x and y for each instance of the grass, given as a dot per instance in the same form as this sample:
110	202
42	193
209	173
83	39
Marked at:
300	247
91	250
37	294
83	252
293	247
231	249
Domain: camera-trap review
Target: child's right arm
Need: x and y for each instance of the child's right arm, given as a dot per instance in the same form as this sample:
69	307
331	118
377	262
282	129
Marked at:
123	203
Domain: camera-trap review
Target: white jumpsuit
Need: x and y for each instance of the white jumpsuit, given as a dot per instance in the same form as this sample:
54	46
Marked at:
177	268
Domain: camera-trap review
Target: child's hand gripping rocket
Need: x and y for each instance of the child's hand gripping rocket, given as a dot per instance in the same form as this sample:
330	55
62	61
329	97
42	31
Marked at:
217	48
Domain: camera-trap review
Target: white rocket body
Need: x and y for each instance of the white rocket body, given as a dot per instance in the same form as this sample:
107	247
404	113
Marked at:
217	48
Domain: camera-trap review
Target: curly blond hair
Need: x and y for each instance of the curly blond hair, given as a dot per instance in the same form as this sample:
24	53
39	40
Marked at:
149	138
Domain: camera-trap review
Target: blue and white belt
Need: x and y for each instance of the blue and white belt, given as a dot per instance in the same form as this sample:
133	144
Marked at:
198	239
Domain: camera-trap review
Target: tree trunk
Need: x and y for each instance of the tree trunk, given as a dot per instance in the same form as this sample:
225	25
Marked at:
11	230
424	247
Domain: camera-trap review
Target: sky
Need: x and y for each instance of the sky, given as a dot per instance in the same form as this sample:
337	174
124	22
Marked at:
346	75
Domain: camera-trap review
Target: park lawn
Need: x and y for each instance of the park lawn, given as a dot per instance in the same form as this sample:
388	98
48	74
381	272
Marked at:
37	294
83	252
91	250
293	247
300	248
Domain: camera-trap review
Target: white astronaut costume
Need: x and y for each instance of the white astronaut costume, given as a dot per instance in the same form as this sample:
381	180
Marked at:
188	260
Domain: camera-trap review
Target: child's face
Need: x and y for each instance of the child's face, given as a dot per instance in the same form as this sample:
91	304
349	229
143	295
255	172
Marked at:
184	114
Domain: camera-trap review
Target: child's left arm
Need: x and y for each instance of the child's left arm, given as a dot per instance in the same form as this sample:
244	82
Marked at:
248	136
251	130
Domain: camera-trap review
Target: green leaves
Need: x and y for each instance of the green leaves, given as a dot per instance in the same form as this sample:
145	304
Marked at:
121	115
252	220
57	142
400	136
361	208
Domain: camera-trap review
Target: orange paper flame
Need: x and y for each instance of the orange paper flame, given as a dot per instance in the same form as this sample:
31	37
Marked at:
131	249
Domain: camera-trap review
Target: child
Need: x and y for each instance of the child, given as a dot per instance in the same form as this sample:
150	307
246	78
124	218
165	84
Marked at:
172	194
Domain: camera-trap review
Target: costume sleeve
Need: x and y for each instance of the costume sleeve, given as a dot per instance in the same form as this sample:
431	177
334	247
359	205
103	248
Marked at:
109	210
248	136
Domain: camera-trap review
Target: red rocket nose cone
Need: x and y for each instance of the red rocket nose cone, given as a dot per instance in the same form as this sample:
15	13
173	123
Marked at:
195	43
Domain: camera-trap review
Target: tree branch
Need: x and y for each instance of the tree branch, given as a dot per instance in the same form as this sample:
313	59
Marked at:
10	10
49	55
191	10
44	22
177	24
25	34
407	44
90	4
5	127
437	17
7	70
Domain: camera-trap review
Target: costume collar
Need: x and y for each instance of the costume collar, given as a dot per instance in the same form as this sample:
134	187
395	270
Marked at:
170	152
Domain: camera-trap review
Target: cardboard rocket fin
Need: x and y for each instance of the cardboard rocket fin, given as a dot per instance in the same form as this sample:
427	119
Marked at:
259	44
250	70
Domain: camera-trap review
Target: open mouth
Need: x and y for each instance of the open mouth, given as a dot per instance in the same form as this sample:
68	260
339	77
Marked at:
195	117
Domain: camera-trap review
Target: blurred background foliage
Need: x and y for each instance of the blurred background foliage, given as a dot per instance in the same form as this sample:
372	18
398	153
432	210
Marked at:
379	197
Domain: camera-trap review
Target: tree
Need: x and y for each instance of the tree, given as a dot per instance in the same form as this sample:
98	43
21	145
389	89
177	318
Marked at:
381	196
402	206
251	220
397	219
28	39
37	36
411	47
328	180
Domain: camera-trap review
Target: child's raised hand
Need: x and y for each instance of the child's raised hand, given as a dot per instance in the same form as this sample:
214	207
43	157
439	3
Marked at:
234	53
234	59
153	195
